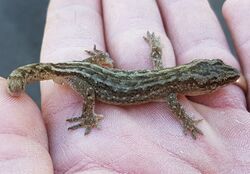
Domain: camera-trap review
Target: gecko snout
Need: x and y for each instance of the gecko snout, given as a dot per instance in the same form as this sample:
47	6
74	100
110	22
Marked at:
231	74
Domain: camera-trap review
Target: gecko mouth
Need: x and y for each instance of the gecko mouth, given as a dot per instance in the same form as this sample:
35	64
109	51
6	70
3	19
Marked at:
228	75
233	75
234	78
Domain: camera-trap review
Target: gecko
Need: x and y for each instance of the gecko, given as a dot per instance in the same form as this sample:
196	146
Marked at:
95	78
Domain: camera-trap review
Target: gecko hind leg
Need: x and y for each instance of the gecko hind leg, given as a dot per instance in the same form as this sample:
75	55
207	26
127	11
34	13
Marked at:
99	57
89	119
156	49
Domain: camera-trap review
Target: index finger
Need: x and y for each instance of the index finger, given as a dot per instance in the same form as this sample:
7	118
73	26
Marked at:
195	33
237	14
72	27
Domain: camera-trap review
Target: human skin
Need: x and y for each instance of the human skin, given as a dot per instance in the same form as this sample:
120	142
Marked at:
135	139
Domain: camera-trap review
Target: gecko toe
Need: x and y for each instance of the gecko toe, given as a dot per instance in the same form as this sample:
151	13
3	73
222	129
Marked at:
74	127
148	37
195	132
87	130
80	125
74	119
190	126
197	121
151	37
86	122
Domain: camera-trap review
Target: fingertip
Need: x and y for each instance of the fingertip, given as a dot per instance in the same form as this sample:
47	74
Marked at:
23	155
21	116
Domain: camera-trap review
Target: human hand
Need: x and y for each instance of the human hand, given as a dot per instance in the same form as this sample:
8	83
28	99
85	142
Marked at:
135	139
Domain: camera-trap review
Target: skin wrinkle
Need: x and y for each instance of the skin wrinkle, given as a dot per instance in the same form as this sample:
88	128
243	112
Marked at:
153	143
21	136
188	44
204	42
245	43
58	4
178	157
239	20
26	151
75	168
99	166
73	6
91	165
57	110
59	34
122	31
153	20
22	127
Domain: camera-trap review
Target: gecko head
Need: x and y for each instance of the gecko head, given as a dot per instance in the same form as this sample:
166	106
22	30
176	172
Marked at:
210	75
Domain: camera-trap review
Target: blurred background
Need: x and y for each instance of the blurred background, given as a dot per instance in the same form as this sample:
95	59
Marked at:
21	32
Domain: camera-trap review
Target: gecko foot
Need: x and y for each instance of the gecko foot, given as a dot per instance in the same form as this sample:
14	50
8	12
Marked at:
100	58
153	40
190	126
97	53
156	49
74	119
85	122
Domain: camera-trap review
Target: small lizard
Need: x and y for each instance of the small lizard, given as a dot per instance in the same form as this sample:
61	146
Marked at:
95	79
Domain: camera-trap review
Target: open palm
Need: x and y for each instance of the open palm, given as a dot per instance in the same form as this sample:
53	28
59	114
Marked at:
132	139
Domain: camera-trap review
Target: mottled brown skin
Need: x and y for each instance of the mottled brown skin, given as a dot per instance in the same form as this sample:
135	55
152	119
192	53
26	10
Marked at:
96	79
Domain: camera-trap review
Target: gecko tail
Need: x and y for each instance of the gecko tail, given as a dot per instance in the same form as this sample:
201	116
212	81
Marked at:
23	75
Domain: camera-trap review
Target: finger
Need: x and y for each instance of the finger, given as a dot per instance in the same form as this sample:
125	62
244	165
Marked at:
237	14
23	135
125	29
71	27
195	31
196	34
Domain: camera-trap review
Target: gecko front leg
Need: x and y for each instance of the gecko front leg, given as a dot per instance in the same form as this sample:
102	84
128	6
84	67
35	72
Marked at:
88	119
187	122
